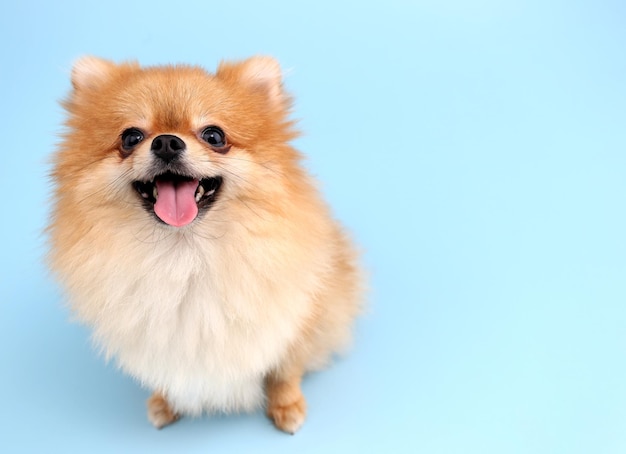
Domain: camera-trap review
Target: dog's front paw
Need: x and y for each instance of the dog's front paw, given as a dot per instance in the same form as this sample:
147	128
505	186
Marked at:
160	414
288	418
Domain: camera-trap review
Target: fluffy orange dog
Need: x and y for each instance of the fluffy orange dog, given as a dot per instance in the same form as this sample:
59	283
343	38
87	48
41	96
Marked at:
187	234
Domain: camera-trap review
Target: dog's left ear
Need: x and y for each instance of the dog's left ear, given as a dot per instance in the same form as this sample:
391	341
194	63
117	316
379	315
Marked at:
260	74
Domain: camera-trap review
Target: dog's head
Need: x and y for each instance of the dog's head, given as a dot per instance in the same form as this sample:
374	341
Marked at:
174	142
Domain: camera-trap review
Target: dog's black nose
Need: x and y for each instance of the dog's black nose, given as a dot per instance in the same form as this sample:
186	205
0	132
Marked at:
167	147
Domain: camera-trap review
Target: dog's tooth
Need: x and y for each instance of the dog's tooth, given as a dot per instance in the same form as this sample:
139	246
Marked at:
199	193
211	192
155	193
144	195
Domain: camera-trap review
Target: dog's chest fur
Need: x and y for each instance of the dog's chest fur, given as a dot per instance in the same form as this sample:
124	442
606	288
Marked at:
199	320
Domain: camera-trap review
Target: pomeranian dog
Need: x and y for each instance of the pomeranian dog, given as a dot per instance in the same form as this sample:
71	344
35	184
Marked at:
189	237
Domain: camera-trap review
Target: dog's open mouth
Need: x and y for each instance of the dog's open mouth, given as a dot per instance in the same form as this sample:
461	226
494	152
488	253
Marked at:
177	200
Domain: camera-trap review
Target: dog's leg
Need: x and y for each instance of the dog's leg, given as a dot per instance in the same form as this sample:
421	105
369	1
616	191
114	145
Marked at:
159	412
286	405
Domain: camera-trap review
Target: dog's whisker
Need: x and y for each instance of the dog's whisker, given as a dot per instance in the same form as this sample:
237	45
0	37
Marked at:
264	164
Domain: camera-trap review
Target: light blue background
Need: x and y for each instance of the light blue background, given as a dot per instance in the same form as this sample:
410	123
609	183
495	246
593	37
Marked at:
475	149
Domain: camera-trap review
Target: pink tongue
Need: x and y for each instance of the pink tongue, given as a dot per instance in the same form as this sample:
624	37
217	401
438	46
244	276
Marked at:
176	203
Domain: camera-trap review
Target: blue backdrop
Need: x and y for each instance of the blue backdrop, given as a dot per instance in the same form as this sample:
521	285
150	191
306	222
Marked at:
477	150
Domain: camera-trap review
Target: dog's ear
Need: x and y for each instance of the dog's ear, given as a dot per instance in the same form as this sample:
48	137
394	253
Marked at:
90	72
260	74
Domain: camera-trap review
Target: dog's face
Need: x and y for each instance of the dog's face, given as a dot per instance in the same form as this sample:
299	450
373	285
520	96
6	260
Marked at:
172	143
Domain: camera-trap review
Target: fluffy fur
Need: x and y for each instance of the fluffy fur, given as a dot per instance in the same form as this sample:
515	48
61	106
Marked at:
227	312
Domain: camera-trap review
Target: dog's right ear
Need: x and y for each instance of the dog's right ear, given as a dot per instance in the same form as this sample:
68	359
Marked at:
90	72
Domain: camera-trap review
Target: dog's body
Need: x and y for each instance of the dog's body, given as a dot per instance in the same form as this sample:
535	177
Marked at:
188	236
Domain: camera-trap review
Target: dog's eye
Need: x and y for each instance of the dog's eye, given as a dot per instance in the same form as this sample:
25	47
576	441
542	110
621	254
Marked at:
131	138
214	136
